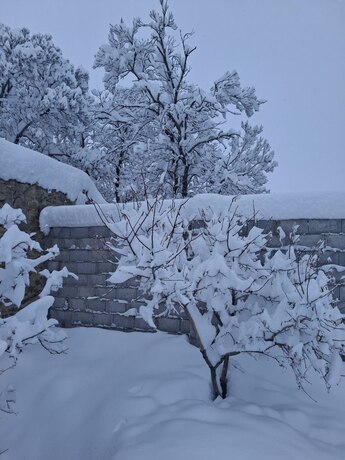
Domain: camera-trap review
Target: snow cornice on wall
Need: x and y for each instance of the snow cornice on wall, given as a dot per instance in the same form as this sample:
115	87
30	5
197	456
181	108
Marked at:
27	166
287	206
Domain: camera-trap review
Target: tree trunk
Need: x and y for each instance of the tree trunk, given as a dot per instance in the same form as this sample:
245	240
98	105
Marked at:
175	178
219	382
185	181
219	370
214	380
224	377
117	177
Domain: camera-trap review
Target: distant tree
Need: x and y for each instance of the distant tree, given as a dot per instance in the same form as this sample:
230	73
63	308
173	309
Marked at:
183	130
44	100
115	137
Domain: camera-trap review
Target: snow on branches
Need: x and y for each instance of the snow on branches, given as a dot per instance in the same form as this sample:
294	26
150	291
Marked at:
29	324
173	125
44	100
17	266
240	296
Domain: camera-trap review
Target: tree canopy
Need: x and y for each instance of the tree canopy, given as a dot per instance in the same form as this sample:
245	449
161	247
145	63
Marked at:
181	130
44	100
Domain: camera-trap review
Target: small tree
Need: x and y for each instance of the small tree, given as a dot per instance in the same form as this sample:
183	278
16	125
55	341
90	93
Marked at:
186	132
29	324
240	296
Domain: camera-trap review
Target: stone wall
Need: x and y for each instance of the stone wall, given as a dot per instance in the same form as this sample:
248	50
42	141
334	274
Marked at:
31	199
90	301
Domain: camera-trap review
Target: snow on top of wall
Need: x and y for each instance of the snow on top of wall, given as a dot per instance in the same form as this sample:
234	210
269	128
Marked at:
27	166
287	206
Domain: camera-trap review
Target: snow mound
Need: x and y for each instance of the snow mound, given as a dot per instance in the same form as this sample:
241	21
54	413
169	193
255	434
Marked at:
282	206
30	167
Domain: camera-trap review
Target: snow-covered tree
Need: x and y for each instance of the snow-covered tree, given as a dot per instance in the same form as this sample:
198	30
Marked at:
181	129
44	100
29	324
114	138
240	296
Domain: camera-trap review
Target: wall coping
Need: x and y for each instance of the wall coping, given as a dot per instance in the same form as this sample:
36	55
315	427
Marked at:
287	206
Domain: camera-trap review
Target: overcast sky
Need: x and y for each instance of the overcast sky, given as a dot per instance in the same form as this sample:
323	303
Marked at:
292	51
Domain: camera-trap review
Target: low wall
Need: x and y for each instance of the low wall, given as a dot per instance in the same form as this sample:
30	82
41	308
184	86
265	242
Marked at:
90	301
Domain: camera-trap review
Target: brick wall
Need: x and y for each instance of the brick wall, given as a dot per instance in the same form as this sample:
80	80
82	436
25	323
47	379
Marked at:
90	301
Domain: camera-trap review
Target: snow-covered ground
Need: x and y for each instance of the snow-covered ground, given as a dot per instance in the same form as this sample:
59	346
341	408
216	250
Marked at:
143	396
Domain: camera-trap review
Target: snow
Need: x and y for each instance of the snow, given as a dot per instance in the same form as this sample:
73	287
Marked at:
27	166
17	266
279	206
118	396
25	325
10	216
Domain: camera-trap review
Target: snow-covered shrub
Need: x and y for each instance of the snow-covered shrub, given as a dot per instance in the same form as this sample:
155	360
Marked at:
29	324
240	296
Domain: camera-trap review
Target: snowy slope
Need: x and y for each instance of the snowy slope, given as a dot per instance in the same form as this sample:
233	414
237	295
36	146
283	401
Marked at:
120	396
27	166
313	205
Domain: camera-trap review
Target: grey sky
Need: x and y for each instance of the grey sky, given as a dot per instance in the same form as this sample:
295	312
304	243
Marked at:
292	51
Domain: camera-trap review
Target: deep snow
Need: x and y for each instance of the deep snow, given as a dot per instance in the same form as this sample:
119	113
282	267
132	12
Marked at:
137	396
27	166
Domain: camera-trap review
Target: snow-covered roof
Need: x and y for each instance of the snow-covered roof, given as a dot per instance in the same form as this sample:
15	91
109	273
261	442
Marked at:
27	166
313	205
